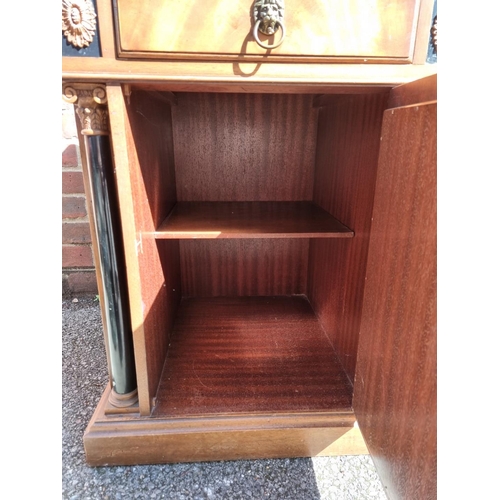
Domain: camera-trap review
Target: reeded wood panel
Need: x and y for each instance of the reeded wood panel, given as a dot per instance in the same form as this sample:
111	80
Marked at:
346	165
395	387
231	355
221	29
214	268
142	141
237	147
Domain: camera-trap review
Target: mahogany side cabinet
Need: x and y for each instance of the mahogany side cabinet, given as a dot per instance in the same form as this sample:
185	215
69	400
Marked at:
262	184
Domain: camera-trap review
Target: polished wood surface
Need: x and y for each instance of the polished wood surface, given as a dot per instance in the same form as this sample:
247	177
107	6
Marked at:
244	147
395	387
106	28
346	165
250	219
252	354
243	77
151	138
332	99
243	267
142	142
129	440
423	90
243	127
153	184
316	30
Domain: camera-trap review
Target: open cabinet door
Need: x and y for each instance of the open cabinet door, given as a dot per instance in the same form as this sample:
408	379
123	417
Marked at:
395	383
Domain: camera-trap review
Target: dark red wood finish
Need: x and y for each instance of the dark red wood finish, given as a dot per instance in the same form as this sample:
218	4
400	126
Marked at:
251	219
423	90
152	173
151	127
346	165
244	147
215	268
395	387
241	355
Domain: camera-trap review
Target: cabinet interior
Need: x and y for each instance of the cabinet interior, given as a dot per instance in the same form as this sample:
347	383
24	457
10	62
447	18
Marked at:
252	214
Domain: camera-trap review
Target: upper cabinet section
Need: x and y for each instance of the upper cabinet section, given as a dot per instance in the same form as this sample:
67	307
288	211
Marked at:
350	31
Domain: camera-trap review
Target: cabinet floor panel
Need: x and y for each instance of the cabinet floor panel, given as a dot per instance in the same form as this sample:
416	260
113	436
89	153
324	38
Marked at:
250	355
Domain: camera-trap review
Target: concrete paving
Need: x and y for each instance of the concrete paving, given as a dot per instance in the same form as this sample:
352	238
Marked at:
84	378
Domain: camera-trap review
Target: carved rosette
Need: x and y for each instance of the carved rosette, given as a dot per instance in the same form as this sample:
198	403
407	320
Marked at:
90	102
78	22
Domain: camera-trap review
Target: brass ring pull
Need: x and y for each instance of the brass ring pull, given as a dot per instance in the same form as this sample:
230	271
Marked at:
256	35
268	16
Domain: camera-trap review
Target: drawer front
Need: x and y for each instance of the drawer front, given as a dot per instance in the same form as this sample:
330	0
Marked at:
331	30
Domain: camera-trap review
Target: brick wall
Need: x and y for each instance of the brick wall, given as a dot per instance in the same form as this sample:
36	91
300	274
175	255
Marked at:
78	270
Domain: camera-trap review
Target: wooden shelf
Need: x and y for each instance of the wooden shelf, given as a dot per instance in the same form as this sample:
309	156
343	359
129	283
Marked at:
250	355
252	219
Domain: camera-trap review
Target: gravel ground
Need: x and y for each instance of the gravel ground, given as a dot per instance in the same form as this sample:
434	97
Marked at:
84	379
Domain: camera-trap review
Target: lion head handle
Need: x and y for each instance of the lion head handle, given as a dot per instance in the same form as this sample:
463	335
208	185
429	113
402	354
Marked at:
269	12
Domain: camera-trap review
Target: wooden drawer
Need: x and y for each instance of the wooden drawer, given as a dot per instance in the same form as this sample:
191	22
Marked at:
330	31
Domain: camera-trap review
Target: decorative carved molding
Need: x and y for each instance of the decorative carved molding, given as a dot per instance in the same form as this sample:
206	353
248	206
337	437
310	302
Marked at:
90	101
434	34
78	22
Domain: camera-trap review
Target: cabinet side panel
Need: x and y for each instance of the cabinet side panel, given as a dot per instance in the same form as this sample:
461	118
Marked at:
395	386
346	164
125	163
151	126
148	186
244	147
151	133
246	267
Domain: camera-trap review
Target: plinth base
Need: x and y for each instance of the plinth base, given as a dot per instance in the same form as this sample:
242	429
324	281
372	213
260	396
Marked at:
127	438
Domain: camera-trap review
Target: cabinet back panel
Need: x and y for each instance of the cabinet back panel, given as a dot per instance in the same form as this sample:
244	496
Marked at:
346	166
247	267
244	147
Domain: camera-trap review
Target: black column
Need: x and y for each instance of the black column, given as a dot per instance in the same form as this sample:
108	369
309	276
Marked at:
111	256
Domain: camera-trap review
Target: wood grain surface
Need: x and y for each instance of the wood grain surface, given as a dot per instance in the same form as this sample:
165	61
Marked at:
154	194
220	29
242	267
260	354
346	165
242	77
142	144
419	91
250	219
130	440
395	387
244	147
